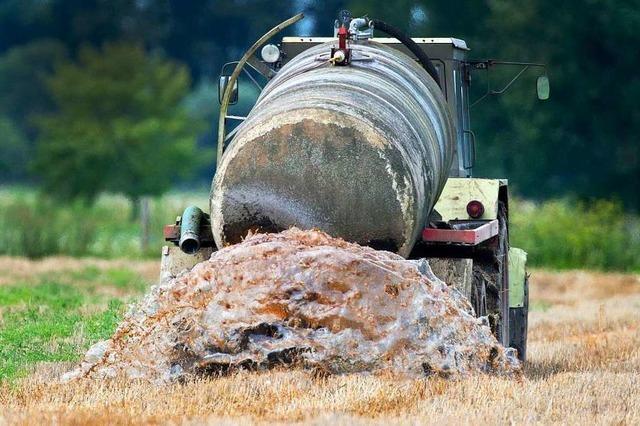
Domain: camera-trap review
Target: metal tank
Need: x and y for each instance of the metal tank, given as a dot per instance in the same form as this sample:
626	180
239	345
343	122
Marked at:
361	152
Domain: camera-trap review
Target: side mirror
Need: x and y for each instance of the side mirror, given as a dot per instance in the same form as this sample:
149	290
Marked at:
542	87
222	86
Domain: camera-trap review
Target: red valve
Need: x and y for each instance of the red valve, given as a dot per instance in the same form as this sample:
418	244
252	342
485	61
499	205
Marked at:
343	33
342	54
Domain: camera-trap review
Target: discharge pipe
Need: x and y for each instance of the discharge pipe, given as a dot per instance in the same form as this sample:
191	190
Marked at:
190	229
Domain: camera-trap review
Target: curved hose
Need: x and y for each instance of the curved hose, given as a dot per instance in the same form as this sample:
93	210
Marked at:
413	47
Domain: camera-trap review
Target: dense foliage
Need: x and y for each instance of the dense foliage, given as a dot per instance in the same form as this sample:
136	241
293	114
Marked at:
14	151
98	96
35	225
581	142
117	126
566	234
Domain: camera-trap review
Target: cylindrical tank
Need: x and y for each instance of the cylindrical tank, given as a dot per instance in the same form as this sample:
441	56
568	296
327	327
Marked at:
361	152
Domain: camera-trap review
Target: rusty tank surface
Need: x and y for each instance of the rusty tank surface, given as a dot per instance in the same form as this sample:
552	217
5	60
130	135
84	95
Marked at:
361	152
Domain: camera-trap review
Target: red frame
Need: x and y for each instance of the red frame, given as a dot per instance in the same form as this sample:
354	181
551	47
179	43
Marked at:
462	236
433	235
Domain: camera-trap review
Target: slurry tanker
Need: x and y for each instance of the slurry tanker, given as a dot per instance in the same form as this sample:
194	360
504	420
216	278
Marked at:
368	139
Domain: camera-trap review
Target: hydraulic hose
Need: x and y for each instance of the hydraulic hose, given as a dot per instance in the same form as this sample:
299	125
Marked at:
413	47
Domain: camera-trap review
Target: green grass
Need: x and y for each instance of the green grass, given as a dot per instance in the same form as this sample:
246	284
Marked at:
35	226
52	319
115	277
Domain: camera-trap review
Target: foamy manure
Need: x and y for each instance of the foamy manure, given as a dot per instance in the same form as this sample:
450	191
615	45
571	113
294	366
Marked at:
305	299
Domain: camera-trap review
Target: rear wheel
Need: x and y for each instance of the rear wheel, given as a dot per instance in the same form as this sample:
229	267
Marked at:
518	320
490	292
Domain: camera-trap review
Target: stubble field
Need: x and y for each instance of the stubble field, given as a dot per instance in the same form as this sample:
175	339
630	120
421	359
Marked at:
584	361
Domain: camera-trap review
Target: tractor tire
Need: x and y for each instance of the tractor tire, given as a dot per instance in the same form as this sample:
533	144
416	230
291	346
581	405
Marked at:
490	290
518	321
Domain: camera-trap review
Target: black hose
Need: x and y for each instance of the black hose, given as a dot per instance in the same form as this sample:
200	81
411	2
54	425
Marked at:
413	47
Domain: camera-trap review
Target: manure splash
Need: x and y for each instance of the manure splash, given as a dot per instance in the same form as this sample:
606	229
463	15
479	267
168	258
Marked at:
305	299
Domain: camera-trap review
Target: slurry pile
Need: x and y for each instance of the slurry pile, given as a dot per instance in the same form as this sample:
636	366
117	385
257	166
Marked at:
304	299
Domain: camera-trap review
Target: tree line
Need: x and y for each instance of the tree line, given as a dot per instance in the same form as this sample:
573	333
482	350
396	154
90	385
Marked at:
119	96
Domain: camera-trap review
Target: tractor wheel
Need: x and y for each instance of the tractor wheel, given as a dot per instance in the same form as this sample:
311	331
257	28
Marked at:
518	319
490	292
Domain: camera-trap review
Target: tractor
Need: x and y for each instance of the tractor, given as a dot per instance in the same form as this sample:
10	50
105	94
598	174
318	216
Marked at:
368	139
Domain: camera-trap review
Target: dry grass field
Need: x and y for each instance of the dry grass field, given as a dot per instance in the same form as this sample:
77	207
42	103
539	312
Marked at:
584	368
